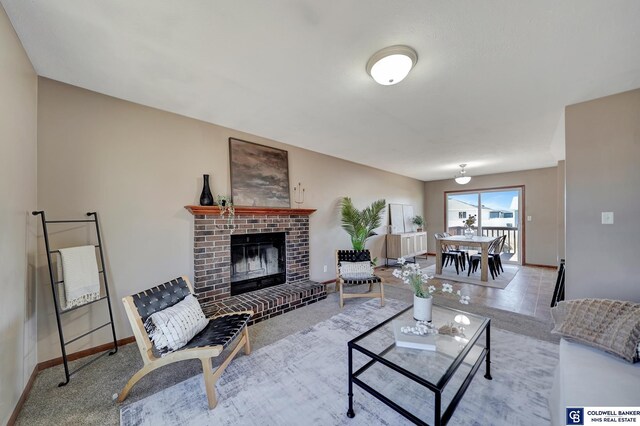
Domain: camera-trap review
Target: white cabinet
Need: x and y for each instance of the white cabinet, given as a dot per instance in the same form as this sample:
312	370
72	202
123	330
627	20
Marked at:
405	245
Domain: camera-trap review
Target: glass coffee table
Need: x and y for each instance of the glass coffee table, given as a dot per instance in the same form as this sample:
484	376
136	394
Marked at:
420	383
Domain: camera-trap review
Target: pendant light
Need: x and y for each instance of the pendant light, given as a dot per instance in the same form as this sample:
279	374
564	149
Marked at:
462	178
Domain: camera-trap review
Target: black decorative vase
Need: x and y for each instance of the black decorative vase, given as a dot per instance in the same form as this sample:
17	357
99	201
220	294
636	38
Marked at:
206	199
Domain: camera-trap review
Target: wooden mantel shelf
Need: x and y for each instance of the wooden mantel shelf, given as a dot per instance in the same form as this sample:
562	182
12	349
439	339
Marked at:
209	210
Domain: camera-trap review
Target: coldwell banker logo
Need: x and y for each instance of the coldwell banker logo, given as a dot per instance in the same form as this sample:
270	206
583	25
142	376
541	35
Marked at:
575	416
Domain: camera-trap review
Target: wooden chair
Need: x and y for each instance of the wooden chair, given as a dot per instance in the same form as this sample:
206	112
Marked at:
209	343
356	256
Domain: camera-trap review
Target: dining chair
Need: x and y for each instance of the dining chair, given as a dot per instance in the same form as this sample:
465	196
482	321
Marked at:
497	253
450	256
466	253
492	253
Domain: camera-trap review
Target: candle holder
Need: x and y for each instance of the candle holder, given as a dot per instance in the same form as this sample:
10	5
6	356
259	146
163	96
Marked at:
298	194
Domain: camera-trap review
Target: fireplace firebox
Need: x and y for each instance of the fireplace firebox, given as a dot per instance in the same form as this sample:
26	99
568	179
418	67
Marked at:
257	261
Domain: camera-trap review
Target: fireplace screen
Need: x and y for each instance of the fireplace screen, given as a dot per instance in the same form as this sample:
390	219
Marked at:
257	261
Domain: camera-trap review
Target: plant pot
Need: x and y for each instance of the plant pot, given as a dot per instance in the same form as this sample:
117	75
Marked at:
422	308
418	229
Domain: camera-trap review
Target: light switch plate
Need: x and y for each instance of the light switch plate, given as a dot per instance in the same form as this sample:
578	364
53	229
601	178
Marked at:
528	218
607	218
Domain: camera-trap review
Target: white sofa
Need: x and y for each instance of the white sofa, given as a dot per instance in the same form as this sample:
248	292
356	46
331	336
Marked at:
588	377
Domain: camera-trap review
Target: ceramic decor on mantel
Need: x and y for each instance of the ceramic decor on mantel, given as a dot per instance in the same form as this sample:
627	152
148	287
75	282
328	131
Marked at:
206	198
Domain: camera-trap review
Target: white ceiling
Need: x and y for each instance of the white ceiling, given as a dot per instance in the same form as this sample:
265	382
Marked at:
489	87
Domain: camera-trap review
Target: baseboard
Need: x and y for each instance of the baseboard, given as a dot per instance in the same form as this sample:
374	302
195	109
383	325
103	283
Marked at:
23	397
542	266
84	353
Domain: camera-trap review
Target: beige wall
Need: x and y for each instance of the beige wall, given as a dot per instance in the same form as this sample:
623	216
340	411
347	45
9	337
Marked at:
18	120
561	209
602	175
540	203
139	166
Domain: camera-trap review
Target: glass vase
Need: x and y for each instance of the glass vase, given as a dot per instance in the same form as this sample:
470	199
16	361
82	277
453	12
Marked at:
468	232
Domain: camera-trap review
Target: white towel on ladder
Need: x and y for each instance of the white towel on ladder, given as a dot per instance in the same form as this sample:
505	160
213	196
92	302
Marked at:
80	274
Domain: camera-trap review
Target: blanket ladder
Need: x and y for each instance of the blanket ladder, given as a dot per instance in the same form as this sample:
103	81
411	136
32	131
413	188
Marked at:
56	300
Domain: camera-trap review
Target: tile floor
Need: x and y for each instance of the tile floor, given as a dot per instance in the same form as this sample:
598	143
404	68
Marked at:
529	293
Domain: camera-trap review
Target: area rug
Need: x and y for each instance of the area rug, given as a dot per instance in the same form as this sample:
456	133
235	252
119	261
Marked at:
302	379
501	281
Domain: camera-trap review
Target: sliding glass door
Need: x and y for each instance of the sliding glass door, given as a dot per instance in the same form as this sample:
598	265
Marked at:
497	213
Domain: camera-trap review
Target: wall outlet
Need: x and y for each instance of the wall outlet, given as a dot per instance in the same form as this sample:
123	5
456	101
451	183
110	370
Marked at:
325	268
607	218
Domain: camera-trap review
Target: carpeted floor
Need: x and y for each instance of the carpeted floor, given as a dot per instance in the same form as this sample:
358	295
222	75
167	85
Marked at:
88	398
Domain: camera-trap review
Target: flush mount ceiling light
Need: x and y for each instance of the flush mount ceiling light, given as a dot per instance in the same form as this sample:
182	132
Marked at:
462	178
391	64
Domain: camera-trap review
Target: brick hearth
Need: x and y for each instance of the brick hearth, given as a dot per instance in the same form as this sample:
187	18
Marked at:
212	258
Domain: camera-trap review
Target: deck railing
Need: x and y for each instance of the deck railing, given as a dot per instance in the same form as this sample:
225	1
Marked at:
510	243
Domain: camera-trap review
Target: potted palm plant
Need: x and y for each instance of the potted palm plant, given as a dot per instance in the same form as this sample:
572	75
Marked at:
360	224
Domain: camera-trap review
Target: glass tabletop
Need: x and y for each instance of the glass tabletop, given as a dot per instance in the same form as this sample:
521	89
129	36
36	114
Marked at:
434	366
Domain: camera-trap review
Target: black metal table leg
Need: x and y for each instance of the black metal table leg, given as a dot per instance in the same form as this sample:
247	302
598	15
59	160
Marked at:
437	409
350	412
487	375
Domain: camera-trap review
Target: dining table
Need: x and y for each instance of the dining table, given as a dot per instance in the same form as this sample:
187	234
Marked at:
462	241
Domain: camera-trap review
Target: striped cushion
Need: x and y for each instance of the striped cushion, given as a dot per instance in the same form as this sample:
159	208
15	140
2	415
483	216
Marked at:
356	270
173	327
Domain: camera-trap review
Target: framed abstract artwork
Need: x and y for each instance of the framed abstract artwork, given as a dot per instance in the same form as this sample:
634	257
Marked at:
259	175
401	216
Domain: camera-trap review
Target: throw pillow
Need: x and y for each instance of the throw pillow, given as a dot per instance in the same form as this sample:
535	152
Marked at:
610	325
173	327
356	270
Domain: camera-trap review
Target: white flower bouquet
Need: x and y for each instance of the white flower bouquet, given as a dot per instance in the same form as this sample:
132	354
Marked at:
411	274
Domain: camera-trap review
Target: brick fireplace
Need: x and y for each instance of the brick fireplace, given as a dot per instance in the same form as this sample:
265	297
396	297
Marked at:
212	260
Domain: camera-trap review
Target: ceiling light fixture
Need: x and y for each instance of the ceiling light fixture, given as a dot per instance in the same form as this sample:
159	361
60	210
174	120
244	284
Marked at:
392	64
462	178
